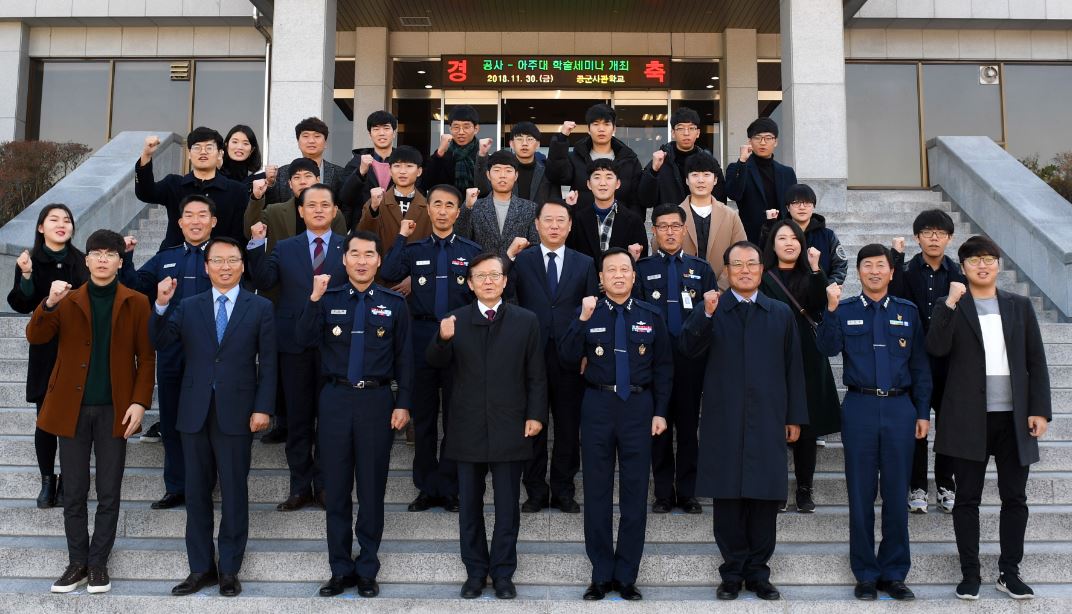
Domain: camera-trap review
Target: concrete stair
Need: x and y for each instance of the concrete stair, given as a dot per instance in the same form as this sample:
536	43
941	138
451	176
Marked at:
287	558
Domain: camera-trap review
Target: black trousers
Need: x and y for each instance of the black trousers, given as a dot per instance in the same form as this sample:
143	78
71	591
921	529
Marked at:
433	474
804	455
746	532
170	363
675	475
943	465
1012	488
565	389
501	560
280	398
45	445
92	434
301	386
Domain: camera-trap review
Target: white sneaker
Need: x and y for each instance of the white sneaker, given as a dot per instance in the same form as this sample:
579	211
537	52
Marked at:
917	501
946	500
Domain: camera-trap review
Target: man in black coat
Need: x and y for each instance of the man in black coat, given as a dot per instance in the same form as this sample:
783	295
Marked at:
497	406
1000	407
312	136
663	179
454	161
570	168
370	167
756	181
603	222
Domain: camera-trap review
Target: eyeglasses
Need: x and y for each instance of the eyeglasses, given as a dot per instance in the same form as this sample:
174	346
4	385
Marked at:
525	140
801	203
104	255
740	265
933	234
977	260
685	129
233	261
482	277
763	140
669	227
203	148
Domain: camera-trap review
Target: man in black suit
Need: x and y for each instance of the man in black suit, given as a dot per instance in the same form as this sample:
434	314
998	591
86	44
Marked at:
551	280
756	181
605	224
999	407
228	392
498	404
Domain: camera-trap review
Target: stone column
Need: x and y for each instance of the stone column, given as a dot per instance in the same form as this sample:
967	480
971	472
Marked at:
740	89
303	71
372	80
14	77
813	137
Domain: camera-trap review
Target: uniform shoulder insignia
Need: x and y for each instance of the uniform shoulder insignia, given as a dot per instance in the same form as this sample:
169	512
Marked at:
647	306
390	292
336	289
849	299
902	301
469	242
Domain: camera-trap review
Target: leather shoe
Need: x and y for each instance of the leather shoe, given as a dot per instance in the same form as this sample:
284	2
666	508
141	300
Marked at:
451	504
568	505
169	501
597	591
865	591
662	506
628	592
533	505
276	435
422	503
195	582
337	584
472	588
294	502
504	588
229	585
367	587
728	591
690	505
896	590
764	590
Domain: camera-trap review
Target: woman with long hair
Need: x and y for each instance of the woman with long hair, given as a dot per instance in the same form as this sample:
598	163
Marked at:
793	275
241	154
52	258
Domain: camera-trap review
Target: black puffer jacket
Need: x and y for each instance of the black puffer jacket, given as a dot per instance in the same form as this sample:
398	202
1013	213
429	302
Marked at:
570	168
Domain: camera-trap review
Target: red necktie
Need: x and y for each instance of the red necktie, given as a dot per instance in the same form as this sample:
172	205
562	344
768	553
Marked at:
490	314
318	256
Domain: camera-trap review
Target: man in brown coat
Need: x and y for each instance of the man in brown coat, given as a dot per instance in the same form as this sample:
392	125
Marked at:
385	209
96	398
707	221
282	218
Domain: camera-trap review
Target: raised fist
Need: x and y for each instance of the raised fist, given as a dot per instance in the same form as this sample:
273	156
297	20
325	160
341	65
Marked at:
446	328
657	160
25	263
485	147
833	296
470	197
260	186
407	227
746	150
56	293
772	214
258	231
898	244
636	250
320	286
956	292
152	142
572	196
366	162
588	307
376	198
444	144
710	301
271	173
813	258
516	246
165	290
567	127
130	243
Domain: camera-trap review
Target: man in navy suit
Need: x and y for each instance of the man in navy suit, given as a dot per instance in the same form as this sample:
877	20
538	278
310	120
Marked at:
228	393
756	182
290	268
551	280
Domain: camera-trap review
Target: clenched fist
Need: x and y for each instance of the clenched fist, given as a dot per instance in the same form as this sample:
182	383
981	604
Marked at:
956	292
746	150
898	244
407	227
516	246
588	307
471	195
485	147
567	127
271	173
446	328
375	198
813	258
260	186
636	250
366	162
56	293
444	144
25	263
320	286
833	297
710	301
657	160
152	142
130	243
165	290
772	214
572	196
258	231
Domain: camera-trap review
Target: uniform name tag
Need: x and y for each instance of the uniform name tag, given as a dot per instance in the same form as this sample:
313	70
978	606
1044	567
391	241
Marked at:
898	323
655	276
338	312
170	265
855	322
423	262
686	300
597	330
692	276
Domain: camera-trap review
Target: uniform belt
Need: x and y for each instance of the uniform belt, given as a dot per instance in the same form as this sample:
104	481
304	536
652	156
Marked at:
879	392
426	318
613	388
365	383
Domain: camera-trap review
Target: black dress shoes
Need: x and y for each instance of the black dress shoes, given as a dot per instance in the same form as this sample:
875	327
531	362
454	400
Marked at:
472	588
195	582
451	504
690	505
628	592
367	587
865	591
294	502
662	506
896	590
229	585
567	505
337	584
422	503
764	590
276	435
597	591
533	505
169	501
728	591
504	588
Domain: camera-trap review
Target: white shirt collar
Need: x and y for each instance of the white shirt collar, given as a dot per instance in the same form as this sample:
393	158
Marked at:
560	252
484	308
232	294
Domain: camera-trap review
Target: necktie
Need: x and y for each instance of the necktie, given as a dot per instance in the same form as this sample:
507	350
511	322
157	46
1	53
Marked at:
746	310
318	256
188	282
673	297
621	355
356	371
882	353
490	315
221	318
552	274
441	279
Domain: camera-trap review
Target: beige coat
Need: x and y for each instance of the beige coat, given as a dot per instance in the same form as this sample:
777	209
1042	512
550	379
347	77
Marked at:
726	229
